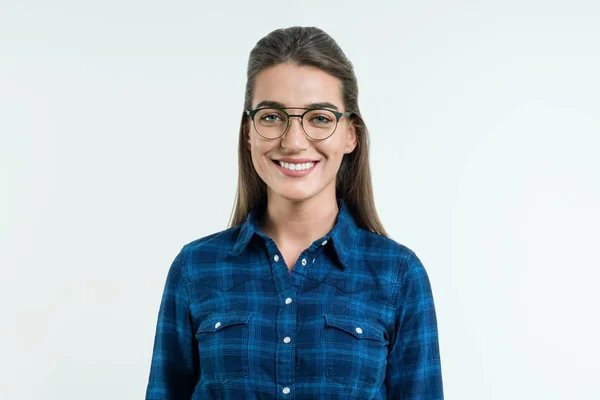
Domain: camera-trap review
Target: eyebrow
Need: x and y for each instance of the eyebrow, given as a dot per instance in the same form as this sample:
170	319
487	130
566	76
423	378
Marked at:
323	104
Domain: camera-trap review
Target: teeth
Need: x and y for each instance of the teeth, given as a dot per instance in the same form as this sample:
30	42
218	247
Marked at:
296	167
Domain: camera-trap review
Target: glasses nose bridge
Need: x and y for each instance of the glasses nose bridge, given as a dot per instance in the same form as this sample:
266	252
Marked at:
300	116
289	123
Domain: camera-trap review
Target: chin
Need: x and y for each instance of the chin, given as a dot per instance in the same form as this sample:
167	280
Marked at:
296	194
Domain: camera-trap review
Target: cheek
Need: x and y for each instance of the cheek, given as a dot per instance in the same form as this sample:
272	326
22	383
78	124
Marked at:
334	151
259	150
256	158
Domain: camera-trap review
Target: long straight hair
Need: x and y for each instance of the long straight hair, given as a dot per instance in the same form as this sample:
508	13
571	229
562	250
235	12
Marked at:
309	46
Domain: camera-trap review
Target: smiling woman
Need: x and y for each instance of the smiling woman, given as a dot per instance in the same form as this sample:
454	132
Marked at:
304	296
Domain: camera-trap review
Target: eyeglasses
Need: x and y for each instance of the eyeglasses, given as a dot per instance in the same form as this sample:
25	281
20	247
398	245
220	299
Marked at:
317	123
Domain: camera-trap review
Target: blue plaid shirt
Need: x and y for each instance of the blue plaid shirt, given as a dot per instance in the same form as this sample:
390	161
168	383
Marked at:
355	319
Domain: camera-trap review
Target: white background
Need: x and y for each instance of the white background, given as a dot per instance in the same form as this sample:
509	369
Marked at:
118	132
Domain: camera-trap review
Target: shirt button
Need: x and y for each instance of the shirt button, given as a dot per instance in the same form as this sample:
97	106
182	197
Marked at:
287	339
358	330
217	325
286	390
276	258
304	261
324	243
288	300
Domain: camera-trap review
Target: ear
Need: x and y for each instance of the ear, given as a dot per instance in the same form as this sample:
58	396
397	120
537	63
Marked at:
246	131
351	140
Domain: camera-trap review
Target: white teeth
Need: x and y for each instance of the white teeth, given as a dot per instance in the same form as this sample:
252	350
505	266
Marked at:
296	167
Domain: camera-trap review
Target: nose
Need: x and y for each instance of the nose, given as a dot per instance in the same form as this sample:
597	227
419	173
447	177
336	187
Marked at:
294	139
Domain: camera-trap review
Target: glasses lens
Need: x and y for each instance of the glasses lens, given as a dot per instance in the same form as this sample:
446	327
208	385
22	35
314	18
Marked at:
319	124
270	122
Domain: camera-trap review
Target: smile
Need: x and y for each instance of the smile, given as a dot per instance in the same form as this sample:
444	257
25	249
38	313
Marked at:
296	167
298	170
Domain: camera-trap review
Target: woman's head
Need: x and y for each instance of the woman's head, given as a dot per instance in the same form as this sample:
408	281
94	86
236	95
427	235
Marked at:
293	165
296	69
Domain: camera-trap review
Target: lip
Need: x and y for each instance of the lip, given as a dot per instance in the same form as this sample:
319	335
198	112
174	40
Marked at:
295	160
295	174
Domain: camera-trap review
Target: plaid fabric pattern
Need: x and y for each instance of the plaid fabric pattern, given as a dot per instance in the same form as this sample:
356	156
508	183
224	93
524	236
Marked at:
355	319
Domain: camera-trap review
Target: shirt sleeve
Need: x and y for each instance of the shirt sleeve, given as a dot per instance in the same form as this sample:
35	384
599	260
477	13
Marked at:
414	368
174	369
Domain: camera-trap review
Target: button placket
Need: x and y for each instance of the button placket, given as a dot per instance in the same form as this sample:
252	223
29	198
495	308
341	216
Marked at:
286	350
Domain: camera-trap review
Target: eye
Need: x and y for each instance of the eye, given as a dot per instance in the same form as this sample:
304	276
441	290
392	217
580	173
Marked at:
320	119
270	117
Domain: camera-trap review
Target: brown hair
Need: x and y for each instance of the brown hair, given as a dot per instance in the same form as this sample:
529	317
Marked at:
309	46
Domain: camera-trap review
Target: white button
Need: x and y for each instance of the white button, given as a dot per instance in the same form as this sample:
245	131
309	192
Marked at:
359	331
286	390
304	261
324	243
217	325
276	258
288	300
287	339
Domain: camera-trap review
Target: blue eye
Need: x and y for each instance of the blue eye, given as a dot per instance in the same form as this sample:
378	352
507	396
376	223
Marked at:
270	117
321	119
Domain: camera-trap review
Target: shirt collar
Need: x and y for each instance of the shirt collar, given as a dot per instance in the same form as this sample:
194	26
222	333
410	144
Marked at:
342	236
248	228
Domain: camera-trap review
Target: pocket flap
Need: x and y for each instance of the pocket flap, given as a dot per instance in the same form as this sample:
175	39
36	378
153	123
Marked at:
217	322
360	328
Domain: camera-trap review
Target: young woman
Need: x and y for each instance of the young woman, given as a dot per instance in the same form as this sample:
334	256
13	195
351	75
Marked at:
304	296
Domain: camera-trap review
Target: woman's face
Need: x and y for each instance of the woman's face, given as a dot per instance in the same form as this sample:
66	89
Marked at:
299	86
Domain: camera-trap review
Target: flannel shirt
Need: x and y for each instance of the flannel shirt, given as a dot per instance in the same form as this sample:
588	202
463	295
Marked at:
354	319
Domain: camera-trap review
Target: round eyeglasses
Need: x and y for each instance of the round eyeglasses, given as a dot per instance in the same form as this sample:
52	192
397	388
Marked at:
317	123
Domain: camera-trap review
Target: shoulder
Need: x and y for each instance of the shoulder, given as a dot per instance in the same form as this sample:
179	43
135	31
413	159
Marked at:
393	259
215	243
400	266
206	258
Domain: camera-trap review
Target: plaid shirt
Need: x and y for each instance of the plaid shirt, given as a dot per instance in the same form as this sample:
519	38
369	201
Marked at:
355	319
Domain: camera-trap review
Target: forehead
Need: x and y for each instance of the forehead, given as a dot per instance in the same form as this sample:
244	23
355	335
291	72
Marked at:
296	86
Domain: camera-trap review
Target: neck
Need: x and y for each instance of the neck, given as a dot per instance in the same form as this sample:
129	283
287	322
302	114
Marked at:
299	222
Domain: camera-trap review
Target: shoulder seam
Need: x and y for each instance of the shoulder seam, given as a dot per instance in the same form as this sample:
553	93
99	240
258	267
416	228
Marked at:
402	273
182	265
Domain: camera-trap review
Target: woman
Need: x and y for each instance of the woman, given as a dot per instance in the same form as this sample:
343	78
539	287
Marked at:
304	296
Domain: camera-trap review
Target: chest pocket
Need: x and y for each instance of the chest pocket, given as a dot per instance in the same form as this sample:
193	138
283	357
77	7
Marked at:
223	346
356	351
